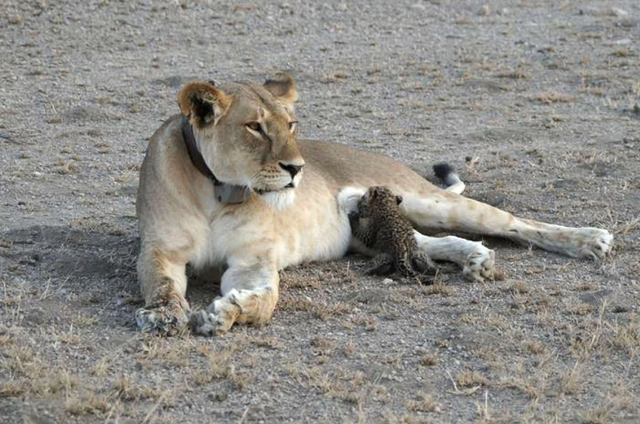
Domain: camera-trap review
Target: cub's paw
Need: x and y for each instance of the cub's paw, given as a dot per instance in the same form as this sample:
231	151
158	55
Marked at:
479	264
592	243
168	319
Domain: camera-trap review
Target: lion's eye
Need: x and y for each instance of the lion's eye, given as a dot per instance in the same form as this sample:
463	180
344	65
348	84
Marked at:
255	126
293	125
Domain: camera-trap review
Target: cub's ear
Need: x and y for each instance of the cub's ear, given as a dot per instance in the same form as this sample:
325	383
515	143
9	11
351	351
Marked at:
203	103
282	86
398	200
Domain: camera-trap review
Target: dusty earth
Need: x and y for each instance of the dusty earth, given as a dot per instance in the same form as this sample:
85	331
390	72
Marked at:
537	103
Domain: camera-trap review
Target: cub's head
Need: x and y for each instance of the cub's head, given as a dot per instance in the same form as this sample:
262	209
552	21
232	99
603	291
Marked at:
375	198
247	134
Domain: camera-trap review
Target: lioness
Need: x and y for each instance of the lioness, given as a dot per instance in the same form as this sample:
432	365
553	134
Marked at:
227	183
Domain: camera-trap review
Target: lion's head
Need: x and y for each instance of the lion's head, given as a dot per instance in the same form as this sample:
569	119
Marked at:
247	133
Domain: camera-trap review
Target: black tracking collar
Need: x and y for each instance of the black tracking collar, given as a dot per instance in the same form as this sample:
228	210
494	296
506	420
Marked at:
225	193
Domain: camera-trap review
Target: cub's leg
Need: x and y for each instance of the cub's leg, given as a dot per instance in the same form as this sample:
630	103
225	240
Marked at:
163	283
422	263
249	295
449	211
382	264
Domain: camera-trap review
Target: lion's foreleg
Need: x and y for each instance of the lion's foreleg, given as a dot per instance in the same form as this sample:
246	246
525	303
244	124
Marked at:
250	293
163	283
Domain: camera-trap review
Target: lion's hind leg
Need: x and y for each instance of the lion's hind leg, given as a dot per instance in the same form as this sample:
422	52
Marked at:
442	210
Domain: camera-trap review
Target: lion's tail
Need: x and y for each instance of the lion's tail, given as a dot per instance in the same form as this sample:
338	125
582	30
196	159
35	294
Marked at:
448	176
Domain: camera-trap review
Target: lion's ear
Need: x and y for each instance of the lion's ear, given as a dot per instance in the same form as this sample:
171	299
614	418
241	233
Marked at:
282	86
203	103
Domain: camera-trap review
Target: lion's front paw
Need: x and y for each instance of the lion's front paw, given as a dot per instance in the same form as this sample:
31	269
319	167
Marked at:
166	319
207	324
593	243
480	264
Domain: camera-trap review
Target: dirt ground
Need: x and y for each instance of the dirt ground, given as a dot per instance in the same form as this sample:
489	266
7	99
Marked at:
537	104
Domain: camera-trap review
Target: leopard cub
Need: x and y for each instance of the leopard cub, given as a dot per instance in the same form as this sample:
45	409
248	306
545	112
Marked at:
380	226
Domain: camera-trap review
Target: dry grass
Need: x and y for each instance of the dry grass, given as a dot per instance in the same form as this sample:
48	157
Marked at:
469	378
628	226
88	404
318	310
552	96
216	366
626	337
422	403
534	347
438	289
515	74
534	386
619	400
127	389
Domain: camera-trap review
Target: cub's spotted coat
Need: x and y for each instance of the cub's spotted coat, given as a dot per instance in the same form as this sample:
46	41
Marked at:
380	226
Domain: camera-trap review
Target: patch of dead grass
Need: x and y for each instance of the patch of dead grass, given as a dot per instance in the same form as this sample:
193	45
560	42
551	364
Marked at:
422	403
428	360
319	310
534	347
438	289
469	378
626	337
552	96
127	389
216	366
571	380
88	404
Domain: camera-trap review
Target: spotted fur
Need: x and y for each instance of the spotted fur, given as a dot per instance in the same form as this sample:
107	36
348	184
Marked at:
379	225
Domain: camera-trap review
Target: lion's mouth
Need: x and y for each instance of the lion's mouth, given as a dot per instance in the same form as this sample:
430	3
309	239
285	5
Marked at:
262	191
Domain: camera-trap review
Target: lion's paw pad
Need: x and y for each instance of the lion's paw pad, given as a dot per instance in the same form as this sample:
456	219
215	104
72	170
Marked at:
594	243
166	319
480	264
205	323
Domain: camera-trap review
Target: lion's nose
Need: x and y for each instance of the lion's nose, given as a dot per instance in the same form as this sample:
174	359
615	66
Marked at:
291	168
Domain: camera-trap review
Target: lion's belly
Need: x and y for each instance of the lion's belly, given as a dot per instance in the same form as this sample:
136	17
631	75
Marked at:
322	234
310	230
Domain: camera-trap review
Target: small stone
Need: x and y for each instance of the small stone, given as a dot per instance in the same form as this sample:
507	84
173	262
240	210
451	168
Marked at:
387	281
622	42
620	13
484	10
15	19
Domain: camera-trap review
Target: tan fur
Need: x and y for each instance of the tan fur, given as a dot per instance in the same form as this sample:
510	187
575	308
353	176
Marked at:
181	222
